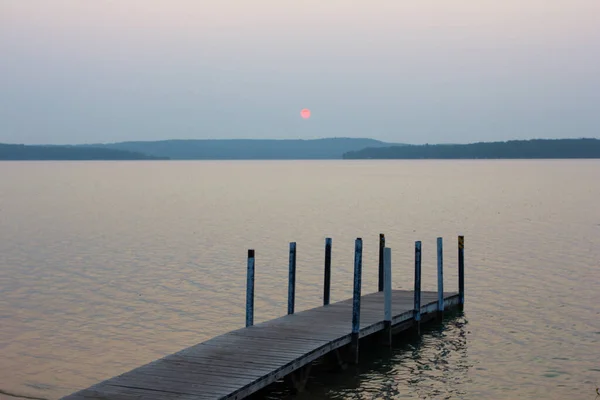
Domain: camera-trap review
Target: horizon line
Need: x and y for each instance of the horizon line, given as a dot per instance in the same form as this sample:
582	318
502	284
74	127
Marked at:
296	139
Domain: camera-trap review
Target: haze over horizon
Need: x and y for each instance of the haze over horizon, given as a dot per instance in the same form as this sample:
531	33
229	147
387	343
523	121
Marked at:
77	72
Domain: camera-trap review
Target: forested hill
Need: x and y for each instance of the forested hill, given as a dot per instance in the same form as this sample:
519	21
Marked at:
25	152
536	148
248	149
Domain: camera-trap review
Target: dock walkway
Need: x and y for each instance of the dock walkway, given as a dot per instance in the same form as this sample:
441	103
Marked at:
237	364
241	362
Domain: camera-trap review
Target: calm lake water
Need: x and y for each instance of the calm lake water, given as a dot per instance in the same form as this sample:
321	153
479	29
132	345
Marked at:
105	266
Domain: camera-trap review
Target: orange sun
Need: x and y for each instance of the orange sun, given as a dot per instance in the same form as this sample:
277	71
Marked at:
305	113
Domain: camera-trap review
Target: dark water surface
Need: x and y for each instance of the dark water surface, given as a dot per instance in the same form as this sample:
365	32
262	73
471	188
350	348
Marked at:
105	266
434	365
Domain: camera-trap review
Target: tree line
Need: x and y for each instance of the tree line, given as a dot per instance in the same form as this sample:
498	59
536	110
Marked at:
535	148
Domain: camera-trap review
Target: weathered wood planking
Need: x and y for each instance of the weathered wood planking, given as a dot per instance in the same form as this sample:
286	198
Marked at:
241	362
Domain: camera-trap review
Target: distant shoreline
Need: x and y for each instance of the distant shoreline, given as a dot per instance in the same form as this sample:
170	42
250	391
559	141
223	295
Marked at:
206	149
313	149
19	152
510	150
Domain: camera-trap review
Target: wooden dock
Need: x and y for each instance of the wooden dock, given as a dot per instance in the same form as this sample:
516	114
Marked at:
240	363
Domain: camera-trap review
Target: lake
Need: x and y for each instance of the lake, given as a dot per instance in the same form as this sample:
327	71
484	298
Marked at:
105	266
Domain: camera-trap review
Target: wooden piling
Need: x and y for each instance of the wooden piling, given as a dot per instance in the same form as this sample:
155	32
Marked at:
440	275
381	261
292	278
461	270
387	295
250	290
327	277
418	286
356	300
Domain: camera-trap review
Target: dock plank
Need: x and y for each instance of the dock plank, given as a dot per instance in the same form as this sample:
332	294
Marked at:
238	363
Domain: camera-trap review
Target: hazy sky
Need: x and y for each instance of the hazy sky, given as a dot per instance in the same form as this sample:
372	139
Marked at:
75	71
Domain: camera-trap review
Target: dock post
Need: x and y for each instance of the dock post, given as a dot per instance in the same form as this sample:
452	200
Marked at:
327	277
418	286
292	279
461	271
250	290
356	300
387	295
381	261
440	273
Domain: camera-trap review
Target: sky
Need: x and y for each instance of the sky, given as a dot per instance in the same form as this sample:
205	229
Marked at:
426	71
